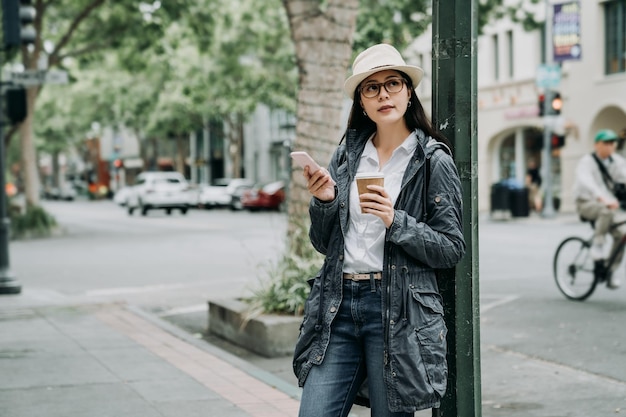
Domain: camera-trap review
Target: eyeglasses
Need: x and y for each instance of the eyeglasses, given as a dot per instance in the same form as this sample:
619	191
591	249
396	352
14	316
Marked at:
393	85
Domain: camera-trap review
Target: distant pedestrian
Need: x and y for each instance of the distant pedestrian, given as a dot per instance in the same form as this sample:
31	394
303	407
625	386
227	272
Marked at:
533	182
373	331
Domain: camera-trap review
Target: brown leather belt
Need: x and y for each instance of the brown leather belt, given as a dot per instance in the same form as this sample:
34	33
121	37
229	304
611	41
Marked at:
363	277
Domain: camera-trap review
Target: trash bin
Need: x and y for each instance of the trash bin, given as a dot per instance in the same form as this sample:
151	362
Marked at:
500	197
520	206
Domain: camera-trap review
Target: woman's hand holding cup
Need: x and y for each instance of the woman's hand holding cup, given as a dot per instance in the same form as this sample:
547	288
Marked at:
373	197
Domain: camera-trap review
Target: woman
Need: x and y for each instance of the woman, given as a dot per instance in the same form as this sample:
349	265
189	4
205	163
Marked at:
373	331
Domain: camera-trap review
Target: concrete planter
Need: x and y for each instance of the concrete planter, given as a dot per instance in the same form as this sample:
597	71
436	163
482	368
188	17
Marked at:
270	335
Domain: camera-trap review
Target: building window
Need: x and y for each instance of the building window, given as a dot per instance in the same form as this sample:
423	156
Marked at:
615	36
509	42
496	58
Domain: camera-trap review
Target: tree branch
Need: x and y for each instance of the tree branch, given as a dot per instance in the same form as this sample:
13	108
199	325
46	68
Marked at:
77	52
73	26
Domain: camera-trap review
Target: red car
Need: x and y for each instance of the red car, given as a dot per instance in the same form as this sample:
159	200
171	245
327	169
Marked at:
267	197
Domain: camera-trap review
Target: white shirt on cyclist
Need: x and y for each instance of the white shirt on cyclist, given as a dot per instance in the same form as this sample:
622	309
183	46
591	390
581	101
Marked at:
589	184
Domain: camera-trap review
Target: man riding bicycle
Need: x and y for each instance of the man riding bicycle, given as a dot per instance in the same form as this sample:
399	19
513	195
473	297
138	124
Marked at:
596	175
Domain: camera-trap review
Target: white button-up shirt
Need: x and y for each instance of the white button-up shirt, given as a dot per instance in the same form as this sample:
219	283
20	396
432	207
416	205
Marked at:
365	238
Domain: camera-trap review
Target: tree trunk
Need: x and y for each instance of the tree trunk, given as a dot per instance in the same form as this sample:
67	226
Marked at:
238	156
142	146
323	41
56	169
29	154
181	153
234	143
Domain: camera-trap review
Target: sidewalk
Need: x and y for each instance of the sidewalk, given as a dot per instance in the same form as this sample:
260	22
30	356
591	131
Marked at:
110	360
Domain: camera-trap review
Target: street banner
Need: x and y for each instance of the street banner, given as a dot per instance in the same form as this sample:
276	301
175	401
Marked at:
566	31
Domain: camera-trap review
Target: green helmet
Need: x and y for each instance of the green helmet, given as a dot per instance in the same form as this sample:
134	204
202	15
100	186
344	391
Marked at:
606	135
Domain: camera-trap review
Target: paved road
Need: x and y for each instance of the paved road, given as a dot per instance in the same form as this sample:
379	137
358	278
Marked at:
171	265
157	262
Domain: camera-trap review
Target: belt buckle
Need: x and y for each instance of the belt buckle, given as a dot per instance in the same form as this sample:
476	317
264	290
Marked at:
351	277
366	276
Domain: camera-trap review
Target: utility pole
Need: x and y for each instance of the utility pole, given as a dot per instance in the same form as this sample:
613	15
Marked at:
455	113
548	207
8	282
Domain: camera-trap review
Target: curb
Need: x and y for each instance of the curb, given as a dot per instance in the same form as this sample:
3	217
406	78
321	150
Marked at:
252	370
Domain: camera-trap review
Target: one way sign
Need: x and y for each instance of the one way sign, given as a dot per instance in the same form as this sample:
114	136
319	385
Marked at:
38	77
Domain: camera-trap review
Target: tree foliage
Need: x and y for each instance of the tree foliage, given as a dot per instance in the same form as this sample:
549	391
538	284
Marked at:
81	31
160	69
399	22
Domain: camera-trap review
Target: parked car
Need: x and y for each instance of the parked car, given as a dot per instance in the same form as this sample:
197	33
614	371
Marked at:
268	197
121	196
65	192
222	192
236	192
159	190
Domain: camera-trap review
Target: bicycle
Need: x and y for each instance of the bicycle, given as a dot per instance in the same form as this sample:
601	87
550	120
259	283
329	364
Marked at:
576	273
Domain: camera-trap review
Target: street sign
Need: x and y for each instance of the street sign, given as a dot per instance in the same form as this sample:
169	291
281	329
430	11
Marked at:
548	76
56	77
38	77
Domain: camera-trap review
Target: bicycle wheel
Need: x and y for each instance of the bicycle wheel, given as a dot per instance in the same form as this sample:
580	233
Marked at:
573	269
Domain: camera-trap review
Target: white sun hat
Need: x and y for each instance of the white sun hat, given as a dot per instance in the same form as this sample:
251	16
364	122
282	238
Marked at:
377	58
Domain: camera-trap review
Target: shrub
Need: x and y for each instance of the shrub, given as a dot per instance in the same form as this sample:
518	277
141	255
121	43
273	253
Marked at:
35	221
284	288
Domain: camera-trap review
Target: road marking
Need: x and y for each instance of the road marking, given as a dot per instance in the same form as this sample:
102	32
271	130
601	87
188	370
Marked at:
500	300
133	290
184	310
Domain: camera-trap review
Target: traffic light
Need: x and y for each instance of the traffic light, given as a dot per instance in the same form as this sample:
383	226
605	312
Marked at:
18	17
118	163
16	106
557	141
556	103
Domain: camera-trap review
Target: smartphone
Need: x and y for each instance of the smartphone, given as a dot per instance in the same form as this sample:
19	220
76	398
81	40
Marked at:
303	159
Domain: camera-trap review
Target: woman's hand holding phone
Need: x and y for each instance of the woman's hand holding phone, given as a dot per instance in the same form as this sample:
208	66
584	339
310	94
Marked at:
319	181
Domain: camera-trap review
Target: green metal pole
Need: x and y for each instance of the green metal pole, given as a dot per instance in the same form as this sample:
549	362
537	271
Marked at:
454	113
8	282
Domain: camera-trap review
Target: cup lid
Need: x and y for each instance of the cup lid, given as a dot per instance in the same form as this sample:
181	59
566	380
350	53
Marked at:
377	174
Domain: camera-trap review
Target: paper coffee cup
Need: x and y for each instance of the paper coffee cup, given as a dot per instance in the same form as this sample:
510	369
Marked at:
363	179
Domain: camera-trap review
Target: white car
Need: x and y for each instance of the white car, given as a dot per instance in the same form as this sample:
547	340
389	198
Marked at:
121	196
65	192
159	190
222	193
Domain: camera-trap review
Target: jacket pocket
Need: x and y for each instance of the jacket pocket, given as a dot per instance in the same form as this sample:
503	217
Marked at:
431	332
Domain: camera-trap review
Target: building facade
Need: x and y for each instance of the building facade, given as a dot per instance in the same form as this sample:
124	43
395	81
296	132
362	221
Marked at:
510	130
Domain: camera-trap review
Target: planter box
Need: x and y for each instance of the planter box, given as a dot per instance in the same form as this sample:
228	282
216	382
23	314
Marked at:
270	335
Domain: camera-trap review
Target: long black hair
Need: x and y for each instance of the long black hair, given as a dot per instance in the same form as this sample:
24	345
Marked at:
415	116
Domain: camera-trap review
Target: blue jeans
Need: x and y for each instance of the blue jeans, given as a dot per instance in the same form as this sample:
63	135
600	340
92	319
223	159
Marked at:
355	350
